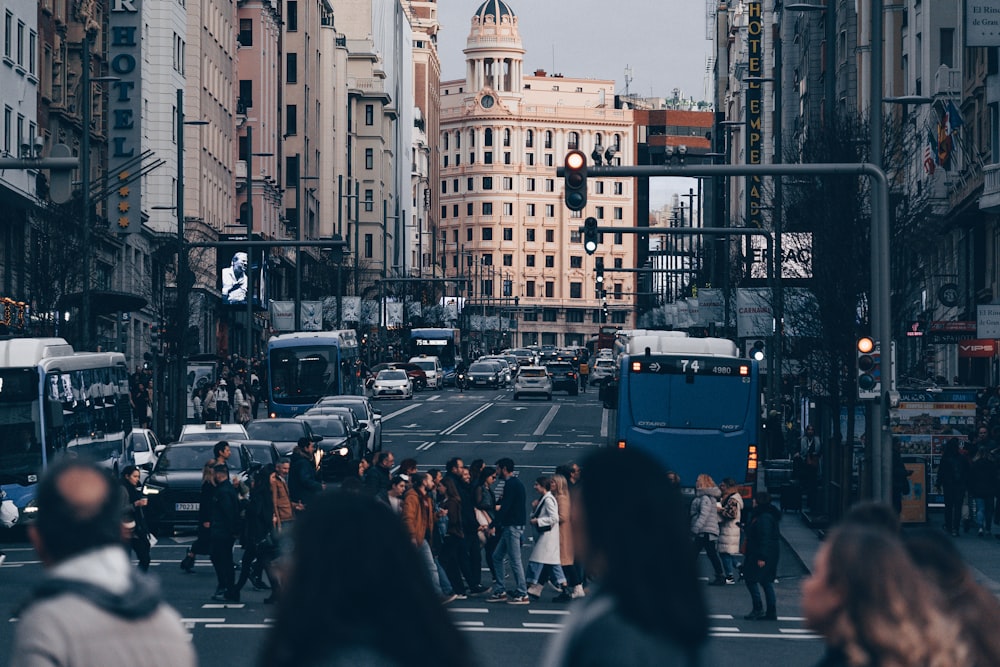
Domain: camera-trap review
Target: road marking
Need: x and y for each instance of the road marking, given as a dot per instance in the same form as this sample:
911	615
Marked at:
543	625
226	605
549	416
505	421
434	397
530	447
721	617
465	420
604	423
238	626
549	612
413	425
469	624
797	619
534	631
519	409
437	412
203	620
491	435
399	412
425	446
796	631
724	629
761	635
471	610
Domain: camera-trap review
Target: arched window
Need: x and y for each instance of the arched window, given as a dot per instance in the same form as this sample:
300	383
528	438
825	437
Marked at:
574	140
618	142
472	138
597	139
548	138
506	136
529	141
487	137
446	141
458	139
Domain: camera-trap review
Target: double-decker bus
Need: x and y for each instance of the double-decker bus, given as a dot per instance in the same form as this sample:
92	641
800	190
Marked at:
445	344
691	402
55	402
304	367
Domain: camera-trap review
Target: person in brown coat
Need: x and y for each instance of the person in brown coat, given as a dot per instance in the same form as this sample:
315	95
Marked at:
279	491
418	517
574	587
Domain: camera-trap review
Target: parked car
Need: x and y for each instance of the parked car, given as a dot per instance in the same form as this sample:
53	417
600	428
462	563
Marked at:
174	485
140	448
368	415
416	374
484	374
213	431
284	433
392	383
563	376
533	380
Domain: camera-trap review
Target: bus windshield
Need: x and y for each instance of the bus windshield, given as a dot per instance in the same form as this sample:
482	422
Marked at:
688	402
303	375
20	442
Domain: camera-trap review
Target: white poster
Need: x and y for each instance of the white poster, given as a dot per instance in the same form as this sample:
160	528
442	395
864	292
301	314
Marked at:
754	317
311	316
352	309
369	312
414	309
394	314
283	315
982	23
988	321
711	306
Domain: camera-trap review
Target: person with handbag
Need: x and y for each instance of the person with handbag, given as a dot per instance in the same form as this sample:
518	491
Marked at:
705	524
545	519
260	544
485	500
140	541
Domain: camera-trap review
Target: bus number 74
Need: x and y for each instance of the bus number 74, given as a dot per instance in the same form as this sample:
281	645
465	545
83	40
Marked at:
688	364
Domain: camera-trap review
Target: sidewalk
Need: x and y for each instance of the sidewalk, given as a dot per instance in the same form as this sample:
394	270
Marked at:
981	554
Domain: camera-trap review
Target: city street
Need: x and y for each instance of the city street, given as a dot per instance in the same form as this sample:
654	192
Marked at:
538	435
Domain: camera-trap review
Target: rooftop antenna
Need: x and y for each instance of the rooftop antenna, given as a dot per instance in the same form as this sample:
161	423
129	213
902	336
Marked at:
628	78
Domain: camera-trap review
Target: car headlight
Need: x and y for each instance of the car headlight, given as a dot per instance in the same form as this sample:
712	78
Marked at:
151	490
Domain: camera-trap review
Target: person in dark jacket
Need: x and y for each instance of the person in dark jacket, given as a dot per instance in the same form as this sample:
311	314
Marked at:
982	488
953	479
760	565
509	521
258	538
303	480
224	530
378	477
203	541
137	503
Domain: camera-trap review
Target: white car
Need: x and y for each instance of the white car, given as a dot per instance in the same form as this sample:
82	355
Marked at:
140	448
212	431
431	366
603	369
392	383
533	380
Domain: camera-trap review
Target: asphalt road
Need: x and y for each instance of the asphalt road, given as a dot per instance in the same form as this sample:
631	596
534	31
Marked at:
435	426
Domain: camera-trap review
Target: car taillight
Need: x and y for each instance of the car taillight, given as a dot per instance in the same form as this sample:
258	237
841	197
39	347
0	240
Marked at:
621	444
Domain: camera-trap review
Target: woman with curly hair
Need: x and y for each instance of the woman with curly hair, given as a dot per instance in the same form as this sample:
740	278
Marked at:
875	608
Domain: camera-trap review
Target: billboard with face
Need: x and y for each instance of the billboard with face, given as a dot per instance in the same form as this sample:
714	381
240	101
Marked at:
237	273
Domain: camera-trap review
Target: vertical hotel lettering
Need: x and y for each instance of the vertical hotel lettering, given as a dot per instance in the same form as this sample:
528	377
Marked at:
125	100
754	115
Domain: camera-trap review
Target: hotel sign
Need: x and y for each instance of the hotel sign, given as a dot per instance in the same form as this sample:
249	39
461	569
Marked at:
125	111
754	111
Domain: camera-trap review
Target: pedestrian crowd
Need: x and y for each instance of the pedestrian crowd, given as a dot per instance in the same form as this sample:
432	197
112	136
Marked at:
377	558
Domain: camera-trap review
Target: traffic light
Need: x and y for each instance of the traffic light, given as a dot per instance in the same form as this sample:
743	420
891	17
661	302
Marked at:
869	368
154	336
575	177
590	235
60	180
756	350
599	270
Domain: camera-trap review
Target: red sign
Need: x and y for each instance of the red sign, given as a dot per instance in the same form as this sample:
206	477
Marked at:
977	347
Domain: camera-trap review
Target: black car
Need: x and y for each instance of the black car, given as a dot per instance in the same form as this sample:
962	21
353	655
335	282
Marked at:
354	426
563	377
174	485
262	451
340	449
483	374
284	433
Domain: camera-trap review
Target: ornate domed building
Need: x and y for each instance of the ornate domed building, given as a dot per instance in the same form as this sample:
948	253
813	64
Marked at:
503	223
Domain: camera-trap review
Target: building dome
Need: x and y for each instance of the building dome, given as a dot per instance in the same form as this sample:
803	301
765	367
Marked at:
496	8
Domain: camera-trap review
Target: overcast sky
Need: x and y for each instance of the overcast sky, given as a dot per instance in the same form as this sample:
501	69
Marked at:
661	41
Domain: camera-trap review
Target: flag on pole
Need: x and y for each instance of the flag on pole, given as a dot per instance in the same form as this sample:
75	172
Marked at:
930	153
944	144
953	117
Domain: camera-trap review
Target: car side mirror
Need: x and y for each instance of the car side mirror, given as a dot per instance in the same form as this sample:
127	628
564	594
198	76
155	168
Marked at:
147	466
159	449
317	438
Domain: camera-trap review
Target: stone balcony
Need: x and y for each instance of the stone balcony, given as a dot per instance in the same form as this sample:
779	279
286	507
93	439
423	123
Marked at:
990	199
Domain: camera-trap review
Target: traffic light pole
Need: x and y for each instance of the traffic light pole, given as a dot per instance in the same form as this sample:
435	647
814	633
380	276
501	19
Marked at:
880	256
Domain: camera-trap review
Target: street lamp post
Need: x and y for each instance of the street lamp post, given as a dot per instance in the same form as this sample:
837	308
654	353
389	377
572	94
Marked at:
298	237
340	230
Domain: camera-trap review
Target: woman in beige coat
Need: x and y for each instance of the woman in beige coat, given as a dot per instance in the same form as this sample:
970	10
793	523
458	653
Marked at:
574	587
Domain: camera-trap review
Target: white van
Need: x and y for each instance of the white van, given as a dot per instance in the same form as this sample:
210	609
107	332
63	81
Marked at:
432	368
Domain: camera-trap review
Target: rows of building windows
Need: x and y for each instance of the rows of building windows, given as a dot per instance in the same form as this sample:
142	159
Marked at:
488	141
20	44
530	185
486	209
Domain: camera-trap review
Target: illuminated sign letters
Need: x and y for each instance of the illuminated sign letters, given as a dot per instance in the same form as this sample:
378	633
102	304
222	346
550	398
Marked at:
754	115
125	128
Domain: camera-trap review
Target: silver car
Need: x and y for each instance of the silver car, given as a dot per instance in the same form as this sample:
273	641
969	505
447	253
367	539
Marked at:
533	380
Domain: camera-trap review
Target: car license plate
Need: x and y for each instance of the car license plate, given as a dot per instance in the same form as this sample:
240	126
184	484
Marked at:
187	507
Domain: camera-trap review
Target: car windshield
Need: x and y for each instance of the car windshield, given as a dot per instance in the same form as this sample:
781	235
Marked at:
328	426
482	368
194	457
274	430
605	364
357	407
139	443
261	452
425	365
391	375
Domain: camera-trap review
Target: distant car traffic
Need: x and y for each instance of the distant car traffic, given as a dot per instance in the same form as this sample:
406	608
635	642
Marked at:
563	376
214	431
368	415
392	383
416	374
484	374
533	380
284	433
603	368
140	447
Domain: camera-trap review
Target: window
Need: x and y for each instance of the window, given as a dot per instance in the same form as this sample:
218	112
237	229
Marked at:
529	260
487	233
550	185
575	262
550	236
292	15
291	120
506	137
506	157
446	135
444	187
548	160
618	317
508	233
487	208
529	140
246	32
550	210
458	139
291	68
550	261
369	114
948	47
488	157
529	210
444	158
8	120
369	245
595	316
529	288
487	260
508	183
454	185
618	238
549	314
454	235
530	185
487	137
369	200
245	100
468	234
20	43
575	237
618	262
618	291
469	210
444	212
487	288
529	235
454	210
8	34
32	47
599	212
291	170
531	315
508	260
598	187
508	208
487	182
618	213
574	140
619	188
470	184
369	158
574	314
530	157
548	139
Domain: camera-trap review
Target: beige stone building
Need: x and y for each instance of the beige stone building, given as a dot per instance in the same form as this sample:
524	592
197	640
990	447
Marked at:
503	223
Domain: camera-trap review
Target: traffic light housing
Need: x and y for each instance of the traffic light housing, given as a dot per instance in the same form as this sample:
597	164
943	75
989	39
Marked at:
757	350
575	178
590	235
599	270
869	368
154	336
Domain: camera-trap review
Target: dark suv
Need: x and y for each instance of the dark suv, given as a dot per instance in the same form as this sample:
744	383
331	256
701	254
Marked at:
563	377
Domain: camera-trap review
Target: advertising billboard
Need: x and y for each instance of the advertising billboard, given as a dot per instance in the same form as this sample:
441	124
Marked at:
237	274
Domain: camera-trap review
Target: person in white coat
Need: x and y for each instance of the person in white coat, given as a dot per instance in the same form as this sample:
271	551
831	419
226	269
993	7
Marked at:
545	519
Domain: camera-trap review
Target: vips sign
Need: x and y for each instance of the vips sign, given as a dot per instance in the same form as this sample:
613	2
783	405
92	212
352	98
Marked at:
125	130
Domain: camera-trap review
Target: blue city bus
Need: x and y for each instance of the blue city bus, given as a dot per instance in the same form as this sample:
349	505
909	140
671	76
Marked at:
304	367
445	344
693	403
56	402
